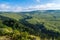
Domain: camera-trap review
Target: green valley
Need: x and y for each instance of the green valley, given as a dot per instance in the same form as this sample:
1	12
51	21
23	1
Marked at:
34	25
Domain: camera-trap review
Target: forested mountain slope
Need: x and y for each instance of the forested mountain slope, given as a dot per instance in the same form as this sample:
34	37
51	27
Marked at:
44	25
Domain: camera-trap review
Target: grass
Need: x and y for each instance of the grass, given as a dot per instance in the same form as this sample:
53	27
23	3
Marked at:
12	15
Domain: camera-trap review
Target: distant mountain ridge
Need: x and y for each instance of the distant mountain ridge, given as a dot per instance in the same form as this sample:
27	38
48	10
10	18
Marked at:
36	11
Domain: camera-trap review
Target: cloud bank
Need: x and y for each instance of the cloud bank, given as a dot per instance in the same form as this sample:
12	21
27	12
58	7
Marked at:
48	6
6	7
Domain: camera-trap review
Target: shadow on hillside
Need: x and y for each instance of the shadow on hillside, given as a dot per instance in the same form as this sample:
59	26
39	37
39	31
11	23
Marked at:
39	28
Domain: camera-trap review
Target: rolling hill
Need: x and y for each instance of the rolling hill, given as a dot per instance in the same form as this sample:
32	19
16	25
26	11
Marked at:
41	23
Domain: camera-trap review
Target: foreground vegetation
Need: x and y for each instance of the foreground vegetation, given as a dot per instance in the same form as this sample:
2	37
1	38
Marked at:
35	25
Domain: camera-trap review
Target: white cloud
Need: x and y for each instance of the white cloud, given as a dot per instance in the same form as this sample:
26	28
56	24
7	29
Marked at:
51	6
6	7
17	9
48	6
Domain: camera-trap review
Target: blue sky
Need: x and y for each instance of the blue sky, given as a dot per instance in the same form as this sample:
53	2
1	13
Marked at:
29	5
